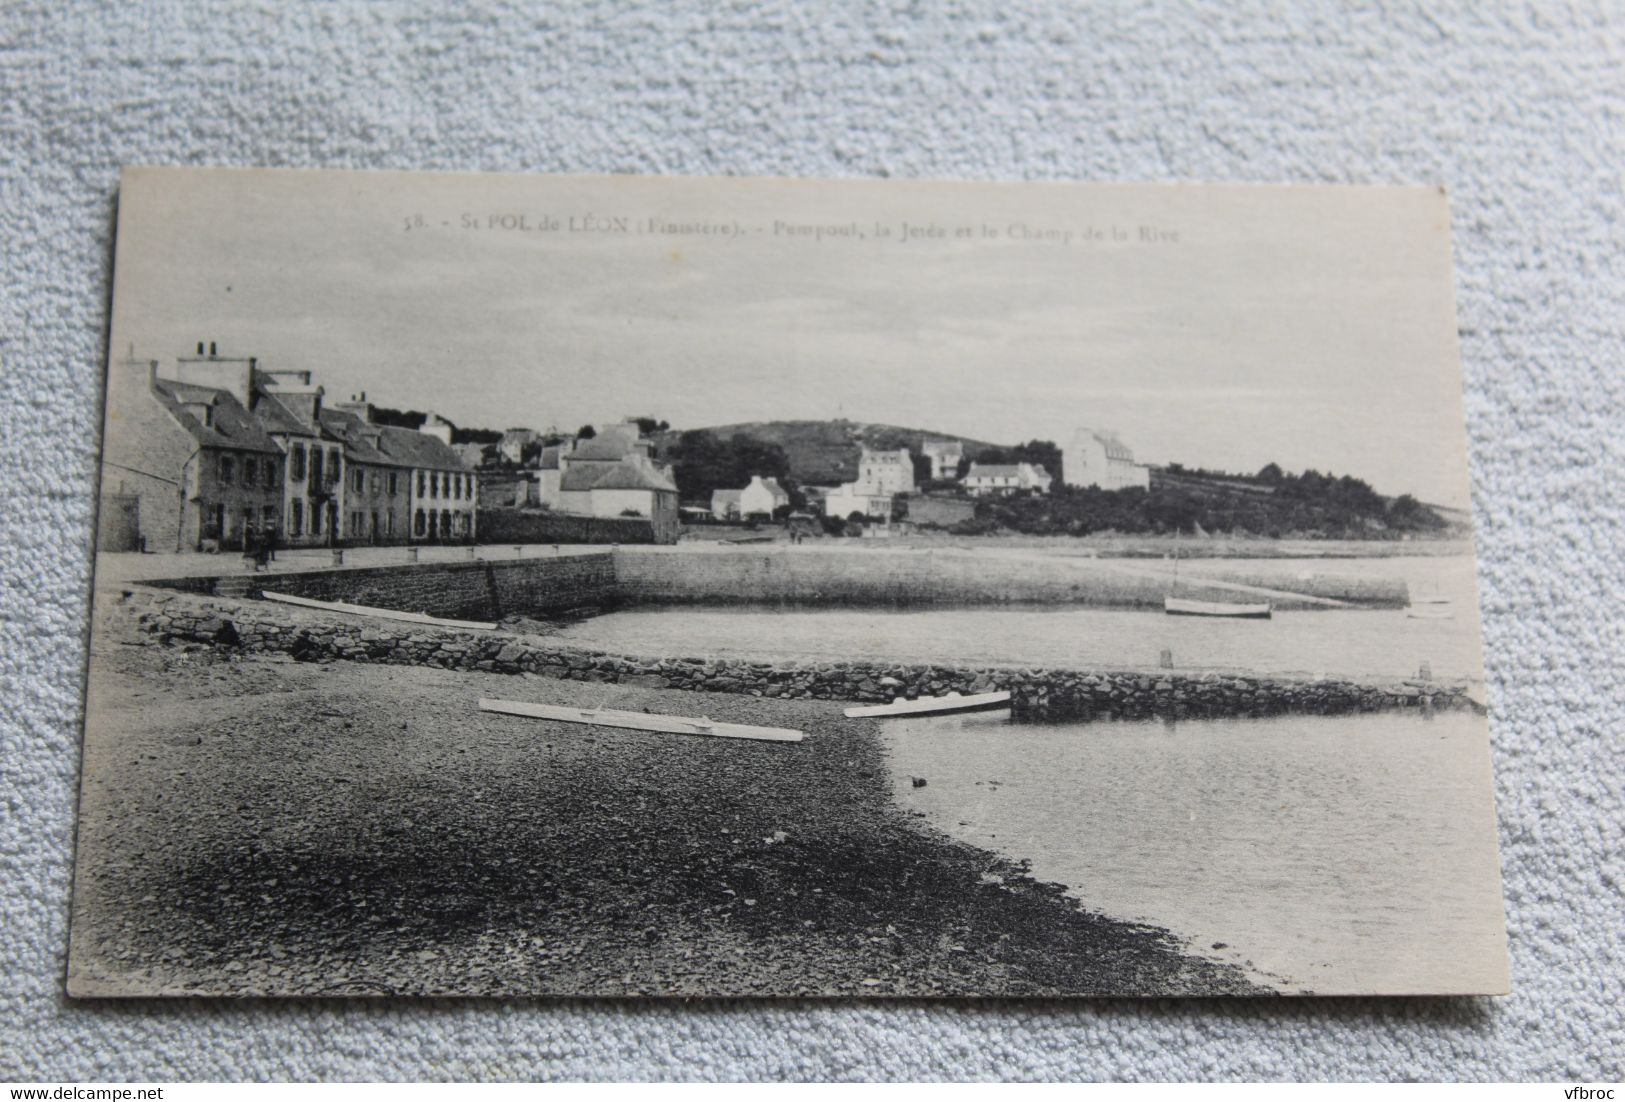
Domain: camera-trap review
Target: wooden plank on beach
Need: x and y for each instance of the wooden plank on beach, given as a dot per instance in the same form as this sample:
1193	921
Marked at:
952	704
640	721
380	613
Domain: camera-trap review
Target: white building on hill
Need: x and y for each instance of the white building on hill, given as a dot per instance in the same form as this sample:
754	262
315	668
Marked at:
889	472
945	456
984	479
1097	458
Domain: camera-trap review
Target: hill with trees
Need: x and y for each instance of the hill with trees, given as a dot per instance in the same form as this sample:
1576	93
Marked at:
1271	503
824	452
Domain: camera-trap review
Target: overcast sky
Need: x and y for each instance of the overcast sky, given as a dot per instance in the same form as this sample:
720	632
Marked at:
1310	327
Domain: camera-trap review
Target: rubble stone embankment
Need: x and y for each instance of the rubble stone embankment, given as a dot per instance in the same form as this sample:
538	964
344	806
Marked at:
1037	693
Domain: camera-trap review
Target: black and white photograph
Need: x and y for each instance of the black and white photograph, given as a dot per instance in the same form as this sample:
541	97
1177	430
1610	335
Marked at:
516	585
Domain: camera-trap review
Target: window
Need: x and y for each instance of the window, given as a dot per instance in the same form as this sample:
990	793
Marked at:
316	517
334	467
315	476
251	471
389	519
377	483
421	491
268	518
228	469
418	526
296	518
358	479
394	484
270	474
298	457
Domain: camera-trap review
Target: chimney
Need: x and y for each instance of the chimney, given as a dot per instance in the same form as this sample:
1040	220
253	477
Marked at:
438	427
359	406
234	375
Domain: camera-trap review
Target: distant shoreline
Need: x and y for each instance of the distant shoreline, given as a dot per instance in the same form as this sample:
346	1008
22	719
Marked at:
1132	547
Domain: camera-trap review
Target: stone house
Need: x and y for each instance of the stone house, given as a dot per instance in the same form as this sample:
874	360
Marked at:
289	407
885	472
944	456
549	470
442	495
985	479
763	497
186	466
1100	459
512	446
375	487
850	497
633	486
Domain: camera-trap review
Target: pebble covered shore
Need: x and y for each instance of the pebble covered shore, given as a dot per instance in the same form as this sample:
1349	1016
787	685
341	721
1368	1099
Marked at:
254	824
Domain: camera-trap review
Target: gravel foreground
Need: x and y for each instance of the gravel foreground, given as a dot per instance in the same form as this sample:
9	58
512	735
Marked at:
260	826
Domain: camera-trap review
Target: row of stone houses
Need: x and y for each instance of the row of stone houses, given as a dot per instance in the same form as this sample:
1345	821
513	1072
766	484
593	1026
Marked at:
224	453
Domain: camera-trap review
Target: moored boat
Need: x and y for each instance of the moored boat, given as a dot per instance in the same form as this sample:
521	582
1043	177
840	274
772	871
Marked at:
1184	606
950	705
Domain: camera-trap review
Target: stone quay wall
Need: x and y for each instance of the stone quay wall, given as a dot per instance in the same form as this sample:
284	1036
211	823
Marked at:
1048	694
911	578
487	589
503	524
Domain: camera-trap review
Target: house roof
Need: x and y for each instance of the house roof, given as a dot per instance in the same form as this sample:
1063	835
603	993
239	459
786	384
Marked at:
517	436
1115	448
230	425
583	477
620	476
945	447
550	457
994	470
410	448
604	448
358	437
772	486
276	417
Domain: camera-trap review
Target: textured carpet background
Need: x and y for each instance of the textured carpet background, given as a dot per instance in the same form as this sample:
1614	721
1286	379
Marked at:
1517	110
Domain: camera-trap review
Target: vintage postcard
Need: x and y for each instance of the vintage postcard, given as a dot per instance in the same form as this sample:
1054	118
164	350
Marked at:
528	585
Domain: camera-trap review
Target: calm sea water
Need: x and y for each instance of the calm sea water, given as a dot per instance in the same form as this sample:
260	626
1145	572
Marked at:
1385	642
1328	854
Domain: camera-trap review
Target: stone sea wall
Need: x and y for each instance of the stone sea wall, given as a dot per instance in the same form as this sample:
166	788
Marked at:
504	524
480	589
173	618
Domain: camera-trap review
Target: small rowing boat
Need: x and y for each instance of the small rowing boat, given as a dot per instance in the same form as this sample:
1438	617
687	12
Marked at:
1184	606
640	721
951	705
